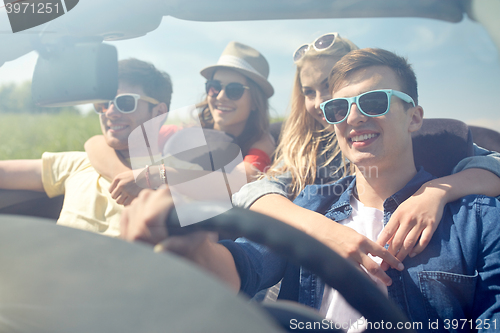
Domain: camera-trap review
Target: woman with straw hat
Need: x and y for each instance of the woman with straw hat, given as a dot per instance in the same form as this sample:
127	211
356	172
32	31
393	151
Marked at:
237	102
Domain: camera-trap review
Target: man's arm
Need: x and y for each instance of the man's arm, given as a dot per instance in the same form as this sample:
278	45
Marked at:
108	164
104	158
21	175
485	214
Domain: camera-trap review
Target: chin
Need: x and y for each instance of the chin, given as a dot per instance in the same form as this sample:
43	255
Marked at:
116	144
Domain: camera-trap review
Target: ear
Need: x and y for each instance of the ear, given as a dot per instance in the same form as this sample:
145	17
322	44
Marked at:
416	117
159	109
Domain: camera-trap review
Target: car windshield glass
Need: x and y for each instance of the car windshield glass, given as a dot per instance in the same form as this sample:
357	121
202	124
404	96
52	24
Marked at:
457	64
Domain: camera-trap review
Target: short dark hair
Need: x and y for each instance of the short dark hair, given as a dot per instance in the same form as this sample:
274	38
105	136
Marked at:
155	83
363	58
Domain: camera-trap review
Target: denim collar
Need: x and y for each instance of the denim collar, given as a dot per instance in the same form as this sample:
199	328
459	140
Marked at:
341	208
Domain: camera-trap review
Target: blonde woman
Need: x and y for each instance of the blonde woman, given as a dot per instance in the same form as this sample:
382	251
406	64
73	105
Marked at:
308	154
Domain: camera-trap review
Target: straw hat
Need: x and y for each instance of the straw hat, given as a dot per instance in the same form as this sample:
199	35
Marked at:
245	60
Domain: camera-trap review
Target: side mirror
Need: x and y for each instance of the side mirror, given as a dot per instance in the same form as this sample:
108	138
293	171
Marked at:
74	74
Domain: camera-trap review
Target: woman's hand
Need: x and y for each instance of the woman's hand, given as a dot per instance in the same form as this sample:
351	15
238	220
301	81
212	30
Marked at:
144	220
124	188
412	225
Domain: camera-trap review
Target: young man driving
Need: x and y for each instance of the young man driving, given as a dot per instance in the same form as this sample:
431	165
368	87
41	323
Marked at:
374	110
144	92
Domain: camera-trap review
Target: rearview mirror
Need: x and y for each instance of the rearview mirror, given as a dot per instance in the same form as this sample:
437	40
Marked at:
75	74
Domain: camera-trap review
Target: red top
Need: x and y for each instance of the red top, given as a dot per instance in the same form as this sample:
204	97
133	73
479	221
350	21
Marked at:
256	157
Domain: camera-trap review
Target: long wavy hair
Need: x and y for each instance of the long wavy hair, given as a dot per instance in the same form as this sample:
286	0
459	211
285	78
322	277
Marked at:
257	123
303	139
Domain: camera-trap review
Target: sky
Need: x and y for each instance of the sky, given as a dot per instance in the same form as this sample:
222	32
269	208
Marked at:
457	65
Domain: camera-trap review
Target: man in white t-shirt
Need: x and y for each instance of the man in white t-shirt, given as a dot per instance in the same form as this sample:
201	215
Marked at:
143	93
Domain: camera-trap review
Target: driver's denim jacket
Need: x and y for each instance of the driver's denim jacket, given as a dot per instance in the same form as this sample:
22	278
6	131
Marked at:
457	276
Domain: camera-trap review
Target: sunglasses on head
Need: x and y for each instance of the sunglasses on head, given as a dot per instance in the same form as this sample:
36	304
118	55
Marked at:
234	90
374	103
125	103
320	44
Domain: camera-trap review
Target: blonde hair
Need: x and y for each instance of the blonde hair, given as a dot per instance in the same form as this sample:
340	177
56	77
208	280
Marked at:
302	138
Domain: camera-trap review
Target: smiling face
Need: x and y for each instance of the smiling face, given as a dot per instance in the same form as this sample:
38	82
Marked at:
228	115
117	126
385	141
314	80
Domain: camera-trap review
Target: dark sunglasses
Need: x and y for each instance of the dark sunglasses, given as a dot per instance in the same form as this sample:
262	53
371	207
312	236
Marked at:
125	103
321	43
374	103
234	90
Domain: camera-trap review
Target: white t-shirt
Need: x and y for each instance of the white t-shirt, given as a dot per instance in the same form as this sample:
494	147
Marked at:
368	222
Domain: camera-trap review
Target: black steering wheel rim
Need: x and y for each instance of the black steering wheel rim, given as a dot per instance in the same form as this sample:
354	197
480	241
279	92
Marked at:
299	248
56	279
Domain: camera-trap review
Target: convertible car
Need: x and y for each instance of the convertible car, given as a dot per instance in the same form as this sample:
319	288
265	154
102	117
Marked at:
57	279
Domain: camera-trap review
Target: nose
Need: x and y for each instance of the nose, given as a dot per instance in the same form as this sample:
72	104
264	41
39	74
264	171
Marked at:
112	111
355	116
222	94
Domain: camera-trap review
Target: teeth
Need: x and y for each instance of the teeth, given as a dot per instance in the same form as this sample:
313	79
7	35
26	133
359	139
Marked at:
363	137
117	128
224	108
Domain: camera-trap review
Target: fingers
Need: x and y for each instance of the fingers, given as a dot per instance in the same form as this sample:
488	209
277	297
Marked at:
412	236
113	185
385	255
147	215
123	194
401	238
396	231
187	245
115	190
388	231
121	199
425	238
128	201
408	243
374	269
361	251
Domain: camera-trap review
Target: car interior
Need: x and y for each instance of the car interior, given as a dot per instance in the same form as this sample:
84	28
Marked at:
54	291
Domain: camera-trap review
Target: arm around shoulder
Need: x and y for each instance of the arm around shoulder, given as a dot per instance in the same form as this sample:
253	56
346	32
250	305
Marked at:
482	159
104	158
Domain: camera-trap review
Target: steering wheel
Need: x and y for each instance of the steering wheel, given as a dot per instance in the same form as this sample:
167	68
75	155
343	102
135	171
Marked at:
299	248
58	279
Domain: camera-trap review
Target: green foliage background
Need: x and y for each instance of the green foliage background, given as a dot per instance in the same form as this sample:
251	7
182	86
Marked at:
16	98
26	130
24	136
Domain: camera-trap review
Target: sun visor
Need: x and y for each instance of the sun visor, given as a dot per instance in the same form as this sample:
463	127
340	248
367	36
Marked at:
75	74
